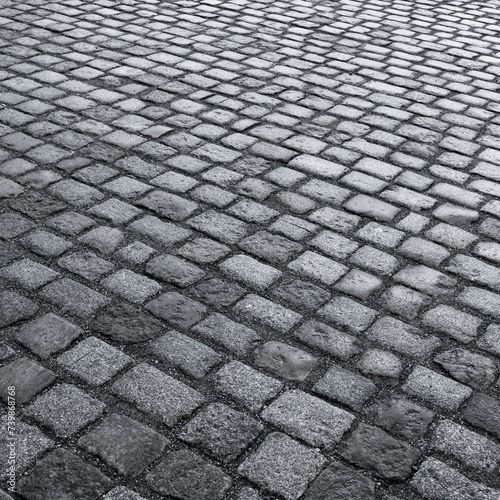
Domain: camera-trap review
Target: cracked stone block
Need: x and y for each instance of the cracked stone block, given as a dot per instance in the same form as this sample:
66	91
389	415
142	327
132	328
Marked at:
160	232
380	365
468	367
334	342
436	389
131	286
282	466
86	264
235	337
174	270
178	310
186	476
36	206
203	251
70	223
62	474
30	443
348	313
314	266
221	432
338	482
246	385
346	387
250	271
13	225
15	308
126	323
469	448
438	481
403	338
47	335
373	449
124	444
28	377
219	226
65	410
28	274
306	417
259	310
285	361
401	417
94	361
158	395
74	298
483	411
168	205
186	354
105	239
217	292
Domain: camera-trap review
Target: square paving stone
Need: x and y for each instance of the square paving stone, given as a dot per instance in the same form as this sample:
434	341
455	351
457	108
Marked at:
186	354
12	225
285	361
168	205
136	252
28	377
282	466
186	476
70	223
29	444
250	271
124	444
127	187
65	410
219	226
338	482
74	298
94	361
75	193
373	449
36	206
174	270
217	293
221	432
63	475
203	251
246	385
131	286
436	389
14	308
235	337
306	417
103	238
157	394
115	211
47	335
178	310
45	244
86	264
126	324
345	387
28	274
263	312
164	233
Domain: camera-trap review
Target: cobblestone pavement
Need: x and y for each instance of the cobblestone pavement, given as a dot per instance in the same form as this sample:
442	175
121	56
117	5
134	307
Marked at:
250	250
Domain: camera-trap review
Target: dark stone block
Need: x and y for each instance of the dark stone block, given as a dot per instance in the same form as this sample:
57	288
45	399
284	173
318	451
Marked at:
302	294
63	475
8	253
124	444
271	247
36	206
186	476
484	412
168	205
217	293
179	311
126	323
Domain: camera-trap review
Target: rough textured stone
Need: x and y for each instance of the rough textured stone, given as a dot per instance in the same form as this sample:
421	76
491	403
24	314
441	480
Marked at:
380	365
174	270
284	360
124	444
62	474
338	482
373	449
184	475
483	411
282	466
178	310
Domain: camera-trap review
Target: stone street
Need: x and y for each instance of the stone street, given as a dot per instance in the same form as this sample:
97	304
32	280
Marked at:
250	250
